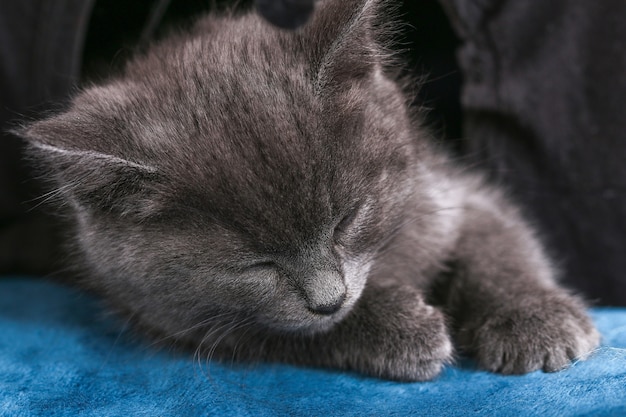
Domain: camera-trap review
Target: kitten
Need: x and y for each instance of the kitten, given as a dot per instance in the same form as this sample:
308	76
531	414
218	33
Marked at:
268	195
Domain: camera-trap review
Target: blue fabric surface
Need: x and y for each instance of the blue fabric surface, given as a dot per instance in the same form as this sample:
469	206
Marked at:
61	356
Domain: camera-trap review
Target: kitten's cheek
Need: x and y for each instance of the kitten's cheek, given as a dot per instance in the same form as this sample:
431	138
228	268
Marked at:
261	291
244	291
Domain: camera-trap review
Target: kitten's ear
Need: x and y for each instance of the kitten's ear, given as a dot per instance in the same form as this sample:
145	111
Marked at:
87	178
343	40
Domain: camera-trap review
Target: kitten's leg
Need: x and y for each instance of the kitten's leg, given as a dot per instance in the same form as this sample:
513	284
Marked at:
507	308
391	333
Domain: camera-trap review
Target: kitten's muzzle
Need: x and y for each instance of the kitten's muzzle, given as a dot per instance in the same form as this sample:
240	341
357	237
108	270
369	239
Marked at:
323	290
329	308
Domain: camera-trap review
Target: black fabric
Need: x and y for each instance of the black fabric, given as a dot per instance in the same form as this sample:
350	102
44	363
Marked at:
40	45
288	14
543	99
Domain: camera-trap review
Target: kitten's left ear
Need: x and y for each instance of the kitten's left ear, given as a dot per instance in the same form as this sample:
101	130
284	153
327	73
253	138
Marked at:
87	175
343	40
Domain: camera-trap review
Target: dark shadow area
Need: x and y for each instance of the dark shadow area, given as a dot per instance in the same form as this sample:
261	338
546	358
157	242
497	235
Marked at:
426	41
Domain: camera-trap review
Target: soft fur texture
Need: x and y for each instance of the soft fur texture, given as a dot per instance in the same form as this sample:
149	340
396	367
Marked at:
267	195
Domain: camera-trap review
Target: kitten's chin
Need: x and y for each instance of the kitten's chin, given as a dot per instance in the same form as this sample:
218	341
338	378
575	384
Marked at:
307	329
312	323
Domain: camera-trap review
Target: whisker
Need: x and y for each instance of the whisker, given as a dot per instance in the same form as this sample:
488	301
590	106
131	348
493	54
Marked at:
55	193
123	329
230	327
191	328
248	324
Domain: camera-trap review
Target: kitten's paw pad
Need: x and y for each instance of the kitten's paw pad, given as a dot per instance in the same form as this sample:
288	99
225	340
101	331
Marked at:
544	335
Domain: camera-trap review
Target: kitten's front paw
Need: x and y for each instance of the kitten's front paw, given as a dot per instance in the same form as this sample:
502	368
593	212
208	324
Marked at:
407	339
419	347
545	332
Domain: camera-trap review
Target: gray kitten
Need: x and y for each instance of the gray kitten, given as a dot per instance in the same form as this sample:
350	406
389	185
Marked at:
268	195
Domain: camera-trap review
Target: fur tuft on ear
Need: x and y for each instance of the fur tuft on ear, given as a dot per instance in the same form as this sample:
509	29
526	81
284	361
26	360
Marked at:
88	179
343	40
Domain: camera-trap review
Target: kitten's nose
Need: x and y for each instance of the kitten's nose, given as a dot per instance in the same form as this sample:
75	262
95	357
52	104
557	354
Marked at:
328	308
321	285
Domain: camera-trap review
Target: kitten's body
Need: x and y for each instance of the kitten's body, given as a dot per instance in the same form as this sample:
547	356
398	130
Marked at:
267	195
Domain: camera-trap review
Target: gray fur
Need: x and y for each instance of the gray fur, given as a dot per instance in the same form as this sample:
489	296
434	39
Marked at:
268	195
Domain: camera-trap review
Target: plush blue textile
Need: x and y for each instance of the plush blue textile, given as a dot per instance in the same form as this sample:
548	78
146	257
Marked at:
61	356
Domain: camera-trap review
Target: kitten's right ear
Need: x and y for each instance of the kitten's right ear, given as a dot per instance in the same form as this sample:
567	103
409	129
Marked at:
87	178
342	40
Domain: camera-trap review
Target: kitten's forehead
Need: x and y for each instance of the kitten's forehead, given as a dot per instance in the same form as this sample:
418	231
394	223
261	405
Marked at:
272	196
236	121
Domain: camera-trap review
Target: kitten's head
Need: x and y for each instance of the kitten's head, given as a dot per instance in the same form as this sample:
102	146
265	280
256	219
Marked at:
237	170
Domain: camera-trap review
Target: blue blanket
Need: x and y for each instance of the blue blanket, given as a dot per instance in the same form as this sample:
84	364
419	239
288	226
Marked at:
60	355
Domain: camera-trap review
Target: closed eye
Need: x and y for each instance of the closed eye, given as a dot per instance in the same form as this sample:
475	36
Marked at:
260	266
345	223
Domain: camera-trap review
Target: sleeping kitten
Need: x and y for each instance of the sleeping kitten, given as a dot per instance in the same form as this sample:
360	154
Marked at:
268	195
